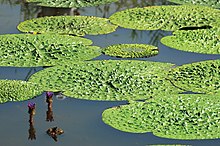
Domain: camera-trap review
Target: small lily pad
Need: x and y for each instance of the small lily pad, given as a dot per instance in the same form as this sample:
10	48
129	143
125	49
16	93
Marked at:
205	41
16	90
168	18
201	77
131	50
76	25
210	3
107	80
175	116
71	3
26	50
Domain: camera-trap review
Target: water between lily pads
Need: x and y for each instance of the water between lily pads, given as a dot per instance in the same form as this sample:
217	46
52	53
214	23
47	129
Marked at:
80	119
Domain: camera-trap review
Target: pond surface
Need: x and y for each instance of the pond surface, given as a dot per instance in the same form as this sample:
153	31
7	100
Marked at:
80	119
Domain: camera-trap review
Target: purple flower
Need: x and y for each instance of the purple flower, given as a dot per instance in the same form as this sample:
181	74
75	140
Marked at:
49	94
31	105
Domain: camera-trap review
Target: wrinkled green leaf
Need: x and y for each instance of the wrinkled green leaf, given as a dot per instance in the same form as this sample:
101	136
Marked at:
168	18
205	41
71	3
107	80
202	77
211	3
15	90
131	50
176	116
76	25
28	50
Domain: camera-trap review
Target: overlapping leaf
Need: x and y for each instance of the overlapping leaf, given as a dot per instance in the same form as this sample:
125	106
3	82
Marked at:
71	3
76	25
202	77
131	50
205	41
44	50
211	3
107	80
177	116
168	18
15	90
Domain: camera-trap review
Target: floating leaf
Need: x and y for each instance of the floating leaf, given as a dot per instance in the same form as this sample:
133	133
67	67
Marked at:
71	3
131	50
166	17
202	77
16	90
76	25
211	3
107	80
200	41
177	116
28	50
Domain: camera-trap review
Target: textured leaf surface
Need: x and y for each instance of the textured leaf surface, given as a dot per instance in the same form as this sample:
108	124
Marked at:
44	50
71	3
107	80
202	77
131	50
205	41
168	18
176	116
77	25
15	90
211	3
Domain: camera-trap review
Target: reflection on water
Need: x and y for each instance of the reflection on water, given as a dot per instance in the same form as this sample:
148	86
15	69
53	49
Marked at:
32	112
81	119
49	100
31	131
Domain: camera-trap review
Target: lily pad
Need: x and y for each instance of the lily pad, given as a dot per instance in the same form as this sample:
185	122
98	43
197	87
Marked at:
26	50
107	80
168	18
16	90
71	3
211	3
131	50
205	41
201	77
76	25
177	116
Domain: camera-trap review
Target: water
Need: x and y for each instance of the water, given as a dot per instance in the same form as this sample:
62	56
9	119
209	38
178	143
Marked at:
80	119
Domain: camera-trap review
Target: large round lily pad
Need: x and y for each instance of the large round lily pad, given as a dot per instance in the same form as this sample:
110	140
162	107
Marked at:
176	116
168	18
16	90
205	41
71	3
107	80
44	50
131	50
202	77
211	3
76	25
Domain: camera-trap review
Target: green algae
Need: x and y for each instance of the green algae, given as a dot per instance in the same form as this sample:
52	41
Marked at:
71	3
26	50
107	80
168	18
131	50
175	116
201	77
16	90
205	41
76	25
210	3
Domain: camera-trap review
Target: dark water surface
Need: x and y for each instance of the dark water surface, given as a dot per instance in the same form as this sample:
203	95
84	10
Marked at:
80	119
